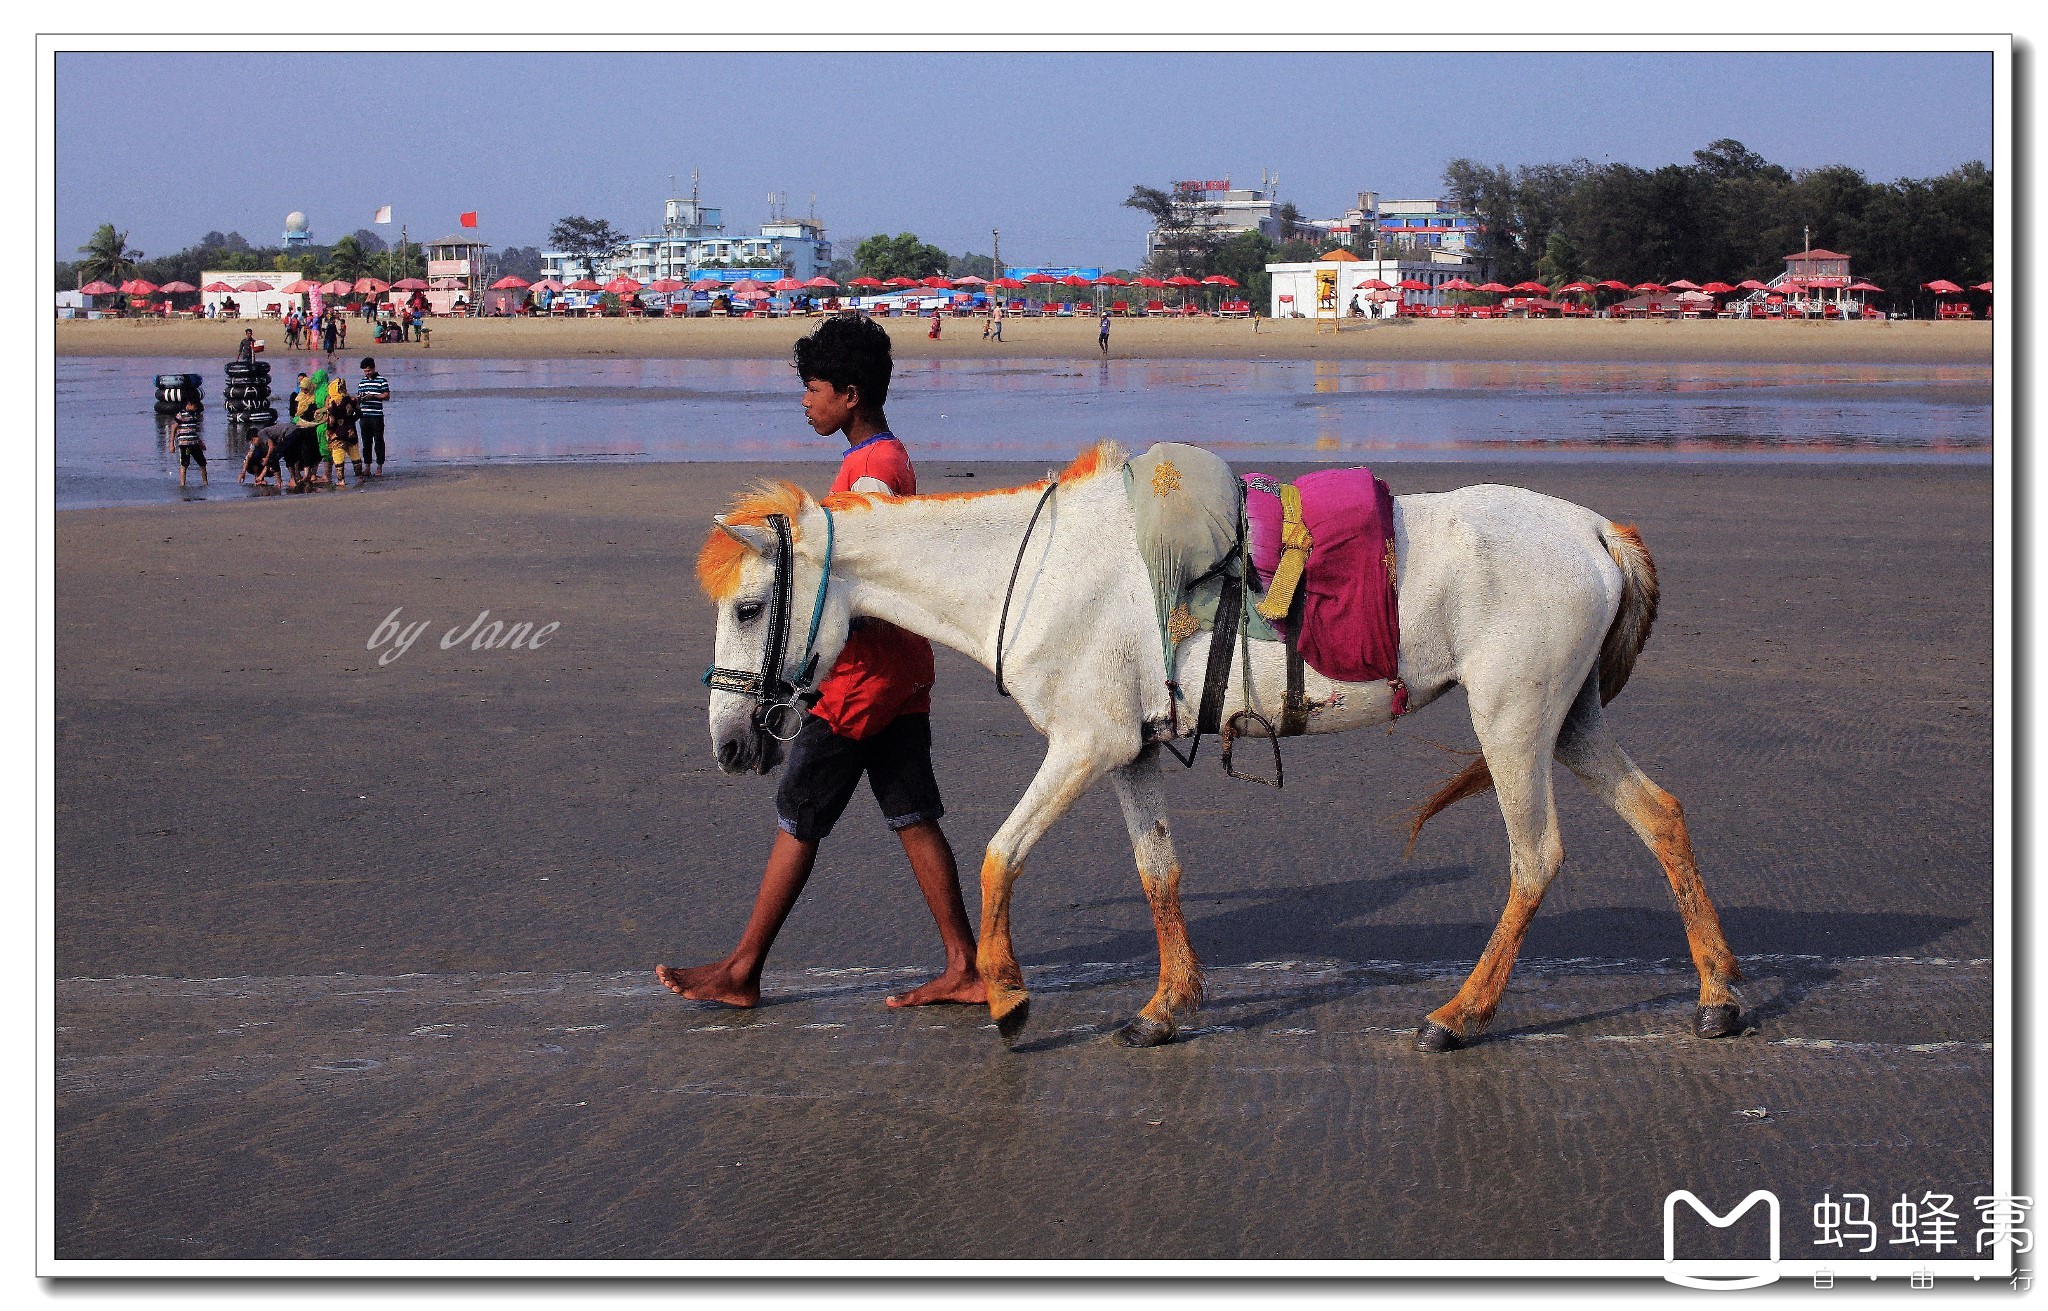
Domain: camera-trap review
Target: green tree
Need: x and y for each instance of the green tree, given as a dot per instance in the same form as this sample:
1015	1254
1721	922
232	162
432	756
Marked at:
348	260
1182	238
108	257
900	256
590	241
1560	262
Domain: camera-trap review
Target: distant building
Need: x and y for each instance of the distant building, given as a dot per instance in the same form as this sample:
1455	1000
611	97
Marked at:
1236	209
1423	225
693	243
1818	268
455	271
297	232
1294	289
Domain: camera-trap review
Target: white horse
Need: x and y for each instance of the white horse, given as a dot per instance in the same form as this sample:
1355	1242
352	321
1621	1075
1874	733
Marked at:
1537	607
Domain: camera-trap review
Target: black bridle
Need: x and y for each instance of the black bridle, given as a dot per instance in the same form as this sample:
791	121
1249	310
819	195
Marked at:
780	703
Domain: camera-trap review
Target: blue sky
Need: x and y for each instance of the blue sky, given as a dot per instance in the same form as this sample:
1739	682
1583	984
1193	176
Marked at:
1044	146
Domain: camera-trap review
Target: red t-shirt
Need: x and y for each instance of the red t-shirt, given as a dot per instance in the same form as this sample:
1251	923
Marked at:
883	671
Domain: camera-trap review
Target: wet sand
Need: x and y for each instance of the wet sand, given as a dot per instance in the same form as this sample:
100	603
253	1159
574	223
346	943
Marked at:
353	962
1882	342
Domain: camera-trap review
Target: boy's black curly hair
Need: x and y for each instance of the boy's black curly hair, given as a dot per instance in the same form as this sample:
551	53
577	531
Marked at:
848	351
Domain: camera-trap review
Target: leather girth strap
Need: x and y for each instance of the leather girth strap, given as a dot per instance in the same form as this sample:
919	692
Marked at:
1293	709
1222	646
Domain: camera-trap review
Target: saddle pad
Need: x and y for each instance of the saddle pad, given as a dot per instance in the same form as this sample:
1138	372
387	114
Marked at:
1184	500
1347	623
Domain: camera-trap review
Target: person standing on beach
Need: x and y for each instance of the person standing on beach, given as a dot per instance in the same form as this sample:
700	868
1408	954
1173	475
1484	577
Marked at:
191	446
1102	338
327	331
341	431
938	317
371	393
246	352
995	316
291	329
873	714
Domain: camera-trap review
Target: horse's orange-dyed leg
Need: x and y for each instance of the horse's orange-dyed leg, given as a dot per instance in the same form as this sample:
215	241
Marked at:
1590	751
1180	973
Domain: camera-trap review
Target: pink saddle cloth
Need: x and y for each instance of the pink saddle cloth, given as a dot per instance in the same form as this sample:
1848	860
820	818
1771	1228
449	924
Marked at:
1346	622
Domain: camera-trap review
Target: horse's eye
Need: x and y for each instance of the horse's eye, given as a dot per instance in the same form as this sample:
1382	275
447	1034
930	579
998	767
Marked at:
748	611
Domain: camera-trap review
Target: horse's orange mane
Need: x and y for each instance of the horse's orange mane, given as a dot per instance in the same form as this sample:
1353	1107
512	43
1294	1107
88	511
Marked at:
718	563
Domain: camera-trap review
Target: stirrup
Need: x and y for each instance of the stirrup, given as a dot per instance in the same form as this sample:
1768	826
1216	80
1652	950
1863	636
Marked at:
1229	735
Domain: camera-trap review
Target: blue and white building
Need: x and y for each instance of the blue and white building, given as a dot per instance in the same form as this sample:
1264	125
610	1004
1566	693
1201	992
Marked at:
693	243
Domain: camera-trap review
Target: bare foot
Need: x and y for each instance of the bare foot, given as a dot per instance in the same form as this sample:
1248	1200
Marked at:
963	986
709	983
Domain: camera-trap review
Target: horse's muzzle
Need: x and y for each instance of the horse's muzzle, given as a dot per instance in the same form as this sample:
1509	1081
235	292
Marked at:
753	753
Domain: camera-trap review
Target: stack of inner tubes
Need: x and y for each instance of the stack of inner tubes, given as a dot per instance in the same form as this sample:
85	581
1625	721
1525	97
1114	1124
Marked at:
174	389
248	394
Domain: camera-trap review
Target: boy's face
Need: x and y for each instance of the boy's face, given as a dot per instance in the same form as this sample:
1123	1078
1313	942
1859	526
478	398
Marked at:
828	409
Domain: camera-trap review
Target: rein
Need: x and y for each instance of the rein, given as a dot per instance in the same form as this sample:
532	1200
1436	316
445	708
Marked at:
1052	485
780	703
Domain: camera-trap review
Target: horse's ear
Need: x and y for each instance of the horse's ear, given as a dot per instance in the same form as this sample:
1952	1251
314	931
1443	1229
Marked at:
755	537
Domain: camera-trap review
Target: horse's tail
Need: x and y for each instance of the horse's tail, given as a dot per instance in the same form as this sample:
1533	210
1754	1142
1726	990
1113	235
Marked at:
1625	639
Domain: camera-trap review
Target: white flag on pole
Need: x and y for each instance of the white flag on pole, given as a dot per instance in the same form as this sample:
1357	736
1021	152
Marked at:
383	214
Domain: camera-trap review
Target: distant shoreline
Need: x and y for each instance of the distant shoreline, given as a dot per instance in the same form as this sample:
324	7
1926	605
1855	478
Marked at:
1508	340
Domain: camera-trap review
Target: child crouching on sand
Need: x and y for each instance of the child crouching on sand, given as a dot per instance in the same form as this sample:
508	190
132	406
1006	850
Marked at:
873	715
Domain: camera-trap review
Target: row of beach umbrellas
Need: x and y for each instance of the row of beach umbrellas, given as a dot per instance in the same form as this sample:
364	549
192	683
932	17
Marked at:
749	289
1940	287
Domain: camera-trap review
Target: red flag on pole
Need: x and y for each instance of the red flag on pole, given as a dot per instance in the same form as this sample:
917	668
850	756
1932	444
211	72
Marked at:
469	219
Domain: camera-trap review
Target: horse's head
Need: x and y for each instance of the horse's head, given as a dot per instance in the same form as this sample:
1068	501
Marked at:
766	589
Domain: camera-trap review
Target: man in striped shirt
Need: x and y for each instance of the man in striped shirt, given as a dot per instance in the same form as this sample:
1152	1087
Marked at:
371	394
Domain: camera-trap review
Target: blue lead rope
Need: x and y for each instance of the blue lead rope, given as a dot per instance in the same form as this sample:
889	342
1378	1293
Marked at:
810	667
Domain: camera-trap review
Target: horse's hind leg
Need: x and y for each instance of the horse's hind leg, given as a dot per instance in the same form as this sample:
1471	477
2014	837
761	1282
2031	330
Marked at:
1516	739
1588	749
1180	974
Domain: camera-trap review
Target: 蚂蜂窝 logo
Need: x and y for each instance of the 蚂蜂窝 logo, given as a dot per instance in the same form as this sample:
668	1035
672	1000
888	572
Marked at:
1720	1274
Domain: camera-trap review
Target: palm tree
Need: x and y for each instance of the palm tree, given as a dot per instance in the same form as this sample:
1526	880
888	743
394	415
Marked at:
107	257
348	260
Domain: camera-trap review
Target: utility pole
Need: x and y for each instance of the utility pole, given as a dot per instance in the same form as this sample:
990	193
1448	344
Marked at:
996	260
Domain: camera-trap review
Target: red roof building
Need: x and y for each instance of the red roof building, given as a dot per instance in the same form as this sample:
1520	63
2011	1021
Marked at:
1819	268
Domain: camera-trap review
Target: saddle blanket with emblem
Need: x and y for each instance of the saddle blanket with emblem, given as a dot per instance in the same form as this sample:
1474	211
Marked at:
1346	622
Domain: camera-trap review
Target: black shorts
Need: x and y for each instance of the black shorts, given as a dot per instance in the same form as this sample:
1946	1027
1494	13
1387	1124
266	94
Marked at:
190	455
823	768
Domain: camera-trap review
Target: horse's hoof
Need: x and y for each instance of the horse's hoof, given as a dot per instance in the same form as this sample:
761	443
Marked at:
1145	1032
1433	1039
1011	1022
1718	1021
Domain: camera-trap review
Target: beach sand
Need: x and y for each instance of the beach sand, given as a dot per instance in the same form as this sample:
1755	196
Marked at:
354	960
1734	341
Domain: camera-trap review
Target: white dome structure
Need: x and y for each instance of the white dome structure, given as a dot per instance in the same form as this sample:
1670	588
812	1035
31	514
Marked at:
297	232
295	222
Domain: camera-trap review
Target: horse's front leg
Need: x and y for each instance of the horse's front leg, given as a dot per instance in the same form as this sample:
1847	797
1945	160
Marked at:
1180	974
1067	771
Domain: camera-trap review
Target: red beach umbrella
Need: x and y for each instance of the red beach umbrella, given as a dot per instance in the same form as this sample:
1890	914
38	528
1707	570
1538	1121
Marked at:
1149	282
1008	284
1219	280
622	285
143	286
706	284
298	286
1110	280
1648	286
1717	289
1751	284
177	287
1683	285
510	283
1984	287
373	286
211	286
1182	280
867	282
746	287
1414	284
1577	286
1494	287
258	285
664	285
902	282
1612	284
1459	284
1075	280
969	280
1871	286
549	284
338	287
1942	287
97	288
581	284
785	284
938	281
822	283
1040	277
1536	287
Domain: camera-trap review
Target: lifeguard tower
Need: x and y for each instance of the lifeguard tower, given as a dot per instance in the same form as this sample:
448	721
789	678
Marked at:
455	271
